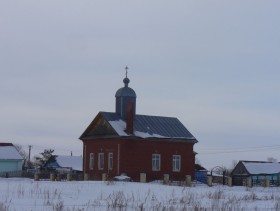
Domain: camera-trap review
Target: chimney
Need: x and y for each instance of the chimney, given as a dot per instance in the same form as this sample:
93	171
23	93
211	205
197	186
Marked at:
130	118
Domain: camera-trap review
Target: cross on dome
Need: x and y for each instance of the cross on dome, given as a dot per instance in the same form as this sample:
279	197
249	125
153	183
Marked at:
126	79
126	68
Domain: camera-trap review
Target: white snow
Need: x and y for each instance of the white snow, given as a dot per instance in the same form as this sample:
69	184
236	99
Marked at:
147	135
26	194
9	153
122	178
74	162
120	126
262	168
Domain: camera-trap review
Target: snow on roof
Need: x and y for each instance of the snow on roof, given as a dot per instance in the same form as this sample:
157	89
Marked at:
74	162
120	126
9	153
146	126
147	135
262	168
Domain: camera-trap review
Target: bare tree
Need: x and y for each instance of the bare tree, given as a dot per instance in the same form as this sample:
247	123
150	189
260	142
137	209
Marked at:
272	159
26	162
228	170
21	151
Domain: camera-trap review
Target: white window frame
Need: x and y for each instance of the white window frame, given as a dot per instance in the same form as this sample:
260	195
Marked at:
100	161
91	161
176	163
110	160
156	162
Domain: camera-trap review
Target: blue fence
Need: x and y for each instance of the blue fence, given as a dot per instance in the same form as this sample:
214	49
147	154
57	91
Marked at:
201	176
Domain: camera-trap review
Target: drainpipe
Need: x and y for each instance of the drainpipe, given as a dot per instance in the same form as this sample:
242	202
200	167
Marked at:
85	156
118	159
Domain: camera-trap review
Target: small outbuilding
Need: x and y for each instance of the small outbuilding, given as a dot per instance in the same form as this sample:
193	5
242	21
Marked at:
10	159
258	171
65	164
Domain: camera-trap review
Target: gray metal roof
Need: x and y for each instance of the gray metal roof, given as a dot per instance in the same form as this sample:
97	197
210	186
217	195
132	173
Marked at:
125	92
156	126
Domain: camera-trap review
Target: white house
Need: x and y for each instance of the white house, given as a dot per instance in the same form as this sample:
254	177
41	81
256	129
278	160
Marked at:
10	159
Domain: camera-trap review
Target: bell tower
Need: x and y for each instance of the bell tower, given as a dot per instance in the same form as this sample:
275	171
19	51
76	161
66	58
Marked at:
125	99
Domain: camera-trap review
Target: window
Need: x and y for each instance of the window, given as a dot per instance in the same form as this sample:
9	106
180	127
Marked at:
91	159
156	162
101	161
110	161
176	162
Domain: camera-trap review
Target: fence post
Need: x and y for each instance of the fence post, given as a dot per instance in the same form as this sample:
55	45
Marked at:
229	181
104	177
143	177
58	177
86	177
36	177
69	177
267	183
188	180
52	177
165	179
249	182
209	181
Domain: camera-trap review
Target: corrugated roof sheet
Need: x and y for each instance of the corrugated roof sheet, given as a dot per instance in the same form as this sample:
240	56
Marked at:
152	126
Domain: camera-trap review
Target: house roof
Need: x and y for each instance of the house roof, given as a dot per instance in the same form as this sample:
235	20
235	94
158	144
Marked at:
74	162
256	167
9	152
199	167
149	127
63	161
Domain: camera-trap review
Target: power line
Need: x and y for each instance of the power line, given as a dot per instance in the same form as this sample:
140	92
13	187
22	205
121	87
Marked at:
235	150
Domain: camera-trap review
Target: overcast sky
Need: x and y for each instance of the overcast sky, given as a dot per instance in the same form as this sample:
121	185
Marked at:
212	64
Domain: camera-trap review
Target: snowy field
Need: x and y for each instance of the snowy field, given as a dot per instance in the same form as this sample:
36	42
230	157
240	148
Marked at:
25	194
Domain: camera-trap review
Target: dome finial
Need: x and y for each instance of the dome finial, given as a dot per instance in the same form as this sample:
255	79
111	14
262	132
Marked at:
126	68
126	80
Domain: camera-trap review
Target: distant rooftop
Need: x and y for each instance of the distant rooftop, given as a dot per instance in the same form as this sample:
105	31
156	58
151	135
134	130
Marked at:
255	167
9	152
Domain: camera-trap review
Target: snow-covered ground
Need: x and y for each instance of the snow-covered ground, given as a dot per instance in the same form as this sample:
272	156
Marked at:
26	194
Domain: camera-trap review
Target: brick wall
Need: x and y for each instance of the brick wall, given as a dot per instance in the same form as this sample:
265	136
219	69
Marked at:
134	156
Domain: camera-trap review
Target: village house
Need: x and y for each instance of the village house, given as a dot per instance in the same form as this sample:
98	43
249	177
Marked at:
10	159
257	171
66	164
123	142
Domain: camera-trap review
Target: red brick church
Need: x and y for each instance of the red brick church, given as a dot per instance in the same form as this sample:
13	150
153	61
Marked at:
125	142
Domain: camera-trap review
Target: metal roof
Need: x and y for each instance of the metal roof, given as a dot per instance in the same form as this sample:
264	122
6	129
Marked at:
155	126
125	92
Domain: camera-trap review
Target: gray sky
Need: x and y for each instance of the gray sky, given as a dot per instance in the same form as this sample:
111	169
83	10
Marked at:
212	64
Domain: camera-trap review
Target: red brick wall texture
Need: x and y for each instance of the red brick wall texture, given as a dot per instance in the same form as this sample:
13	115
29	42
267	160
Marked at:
134	156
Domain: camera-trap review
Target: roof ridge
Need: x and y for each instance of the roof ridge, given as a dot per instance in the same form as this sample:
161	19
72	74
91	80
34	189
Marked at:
111	112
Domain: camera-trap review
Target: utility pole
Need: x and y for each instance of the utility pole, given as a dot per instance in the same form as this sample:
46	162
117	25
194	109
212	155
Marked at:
29	147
